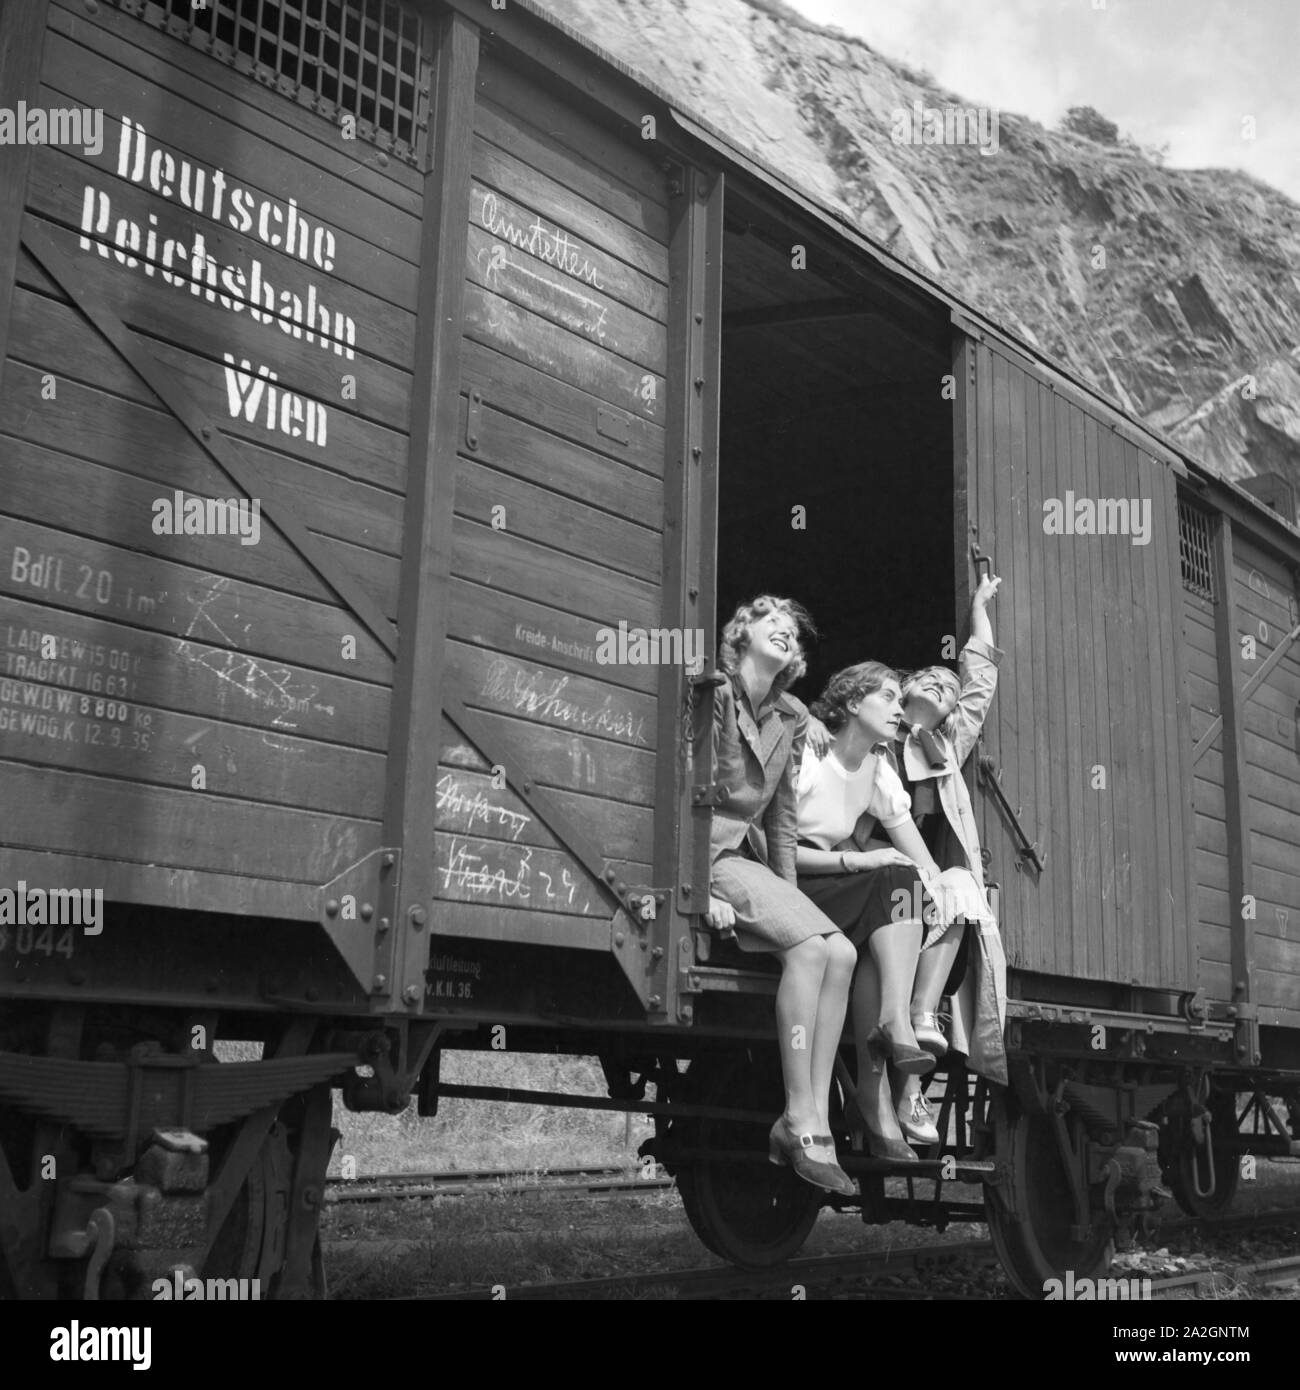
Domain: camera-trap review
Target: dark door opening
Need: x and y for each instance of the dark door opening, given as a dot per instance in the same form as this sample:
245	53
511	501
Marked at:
832	404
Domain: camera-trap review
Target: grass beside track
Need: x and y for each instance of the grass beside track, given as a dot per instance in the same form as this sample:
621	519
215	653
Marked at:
467	1134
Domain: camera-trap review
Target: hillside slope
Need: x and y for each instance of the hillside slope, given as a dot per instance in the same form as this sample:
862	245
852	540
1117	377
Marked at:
1193	320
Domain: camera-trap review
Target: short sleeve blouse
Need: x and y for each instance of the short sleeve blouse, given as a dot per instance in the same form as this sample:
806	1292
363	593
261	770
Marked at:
831	799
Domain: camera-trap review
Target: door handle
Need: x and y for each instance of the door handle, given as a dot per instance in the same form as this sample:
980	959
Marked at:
979	557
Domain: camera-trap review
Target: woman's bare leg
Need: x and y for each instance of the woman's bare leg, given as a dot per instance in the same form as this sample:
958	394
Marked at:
932	971
803	971
873	1094
894	948
832	1005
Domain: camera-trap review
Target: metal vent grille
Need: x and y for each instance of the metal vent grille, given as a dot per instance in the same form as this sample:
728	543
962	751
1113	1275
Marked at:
1194	551
357	58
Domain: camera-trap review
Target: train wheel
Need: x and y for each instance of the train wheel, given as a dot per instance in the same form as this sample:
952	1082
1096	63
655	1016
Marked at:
752	1214
252	1241
1205	1184
1035	1244
250	1244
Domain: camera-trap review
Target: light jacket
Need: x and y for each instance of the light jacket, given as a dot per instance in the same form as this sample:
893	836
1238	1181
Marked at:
960	841
756	765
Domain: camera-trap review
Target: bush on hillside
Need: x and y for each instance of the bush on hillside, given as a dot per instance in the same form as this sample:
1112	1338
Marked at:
1091	124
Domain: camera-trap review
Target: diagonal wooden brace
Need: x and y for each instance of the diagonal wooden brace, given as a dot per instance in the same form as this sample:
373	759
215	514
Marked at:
1206	740
223	451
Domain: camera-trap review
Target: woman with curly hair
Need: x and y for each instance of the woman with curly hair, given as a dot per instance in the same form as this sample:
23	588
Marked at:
875	895
758	739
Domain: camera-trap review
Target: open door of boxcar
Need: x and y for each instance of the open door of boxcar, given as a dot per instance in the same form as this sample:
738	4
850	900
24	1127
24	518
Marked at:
1086	806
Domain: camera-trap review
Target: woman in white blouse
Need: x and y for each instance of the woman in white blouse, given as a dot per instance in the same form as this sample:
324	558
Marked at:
875	896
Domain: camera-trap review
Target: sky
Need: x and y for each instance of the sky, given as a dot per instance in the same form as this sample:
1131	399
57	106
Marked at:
1180	72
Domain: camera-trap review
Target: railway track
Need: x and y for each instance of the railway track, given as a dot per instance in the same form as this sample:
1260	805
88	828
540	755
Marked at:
843	1277
1278	1274
593	1181
951	1271
624	1181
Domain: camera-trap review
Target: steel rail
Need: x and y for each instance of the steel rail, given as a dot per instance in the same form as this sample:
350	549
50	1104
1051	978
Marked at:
379	1187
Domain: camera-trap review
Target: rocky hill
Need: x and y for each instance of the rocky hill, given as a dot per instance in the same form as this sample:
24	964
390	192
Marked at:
1190	319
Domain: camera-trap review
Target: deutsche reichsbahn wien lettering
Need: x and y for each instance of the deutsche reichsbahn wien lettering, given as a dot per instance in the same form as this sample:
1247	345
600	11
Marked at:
185	262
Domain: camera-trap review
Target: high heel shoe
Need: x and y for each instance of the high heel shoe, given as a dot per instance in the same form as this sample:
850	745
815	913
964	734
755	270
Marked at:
911	1061
786	1148
878	1145
916	1119
929	1035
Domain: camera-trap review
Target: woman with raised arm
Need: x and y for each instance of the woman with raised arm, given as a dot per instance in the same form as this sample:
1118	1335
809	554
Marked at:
943	713
758	739
877	895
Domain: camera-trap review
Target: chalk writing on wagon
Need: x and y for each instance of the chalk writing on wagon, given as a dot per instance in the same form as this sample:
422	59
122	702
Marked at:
549	698
494	872
272	686
468	807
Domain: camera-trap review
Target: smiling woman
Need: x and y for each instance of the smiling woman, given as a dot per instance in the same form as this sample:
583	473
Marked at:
758	738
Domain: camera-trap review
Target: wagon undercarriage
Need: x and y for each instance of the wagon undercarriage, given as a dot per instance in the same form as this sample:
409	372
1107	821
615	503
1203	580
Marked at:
1078	1155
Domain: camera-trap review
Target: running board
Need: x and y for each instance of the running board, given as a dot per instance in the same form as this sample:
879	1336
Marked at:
948	1168
720	979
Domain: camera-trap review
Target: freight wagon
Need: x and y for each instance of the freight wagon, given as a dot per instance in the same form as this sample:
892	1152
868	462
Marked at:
395	397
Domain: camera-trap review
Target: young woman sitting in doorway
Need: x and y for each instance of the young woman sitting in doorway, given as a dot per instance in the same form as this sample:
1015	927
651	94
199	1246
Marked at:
758	738
876	896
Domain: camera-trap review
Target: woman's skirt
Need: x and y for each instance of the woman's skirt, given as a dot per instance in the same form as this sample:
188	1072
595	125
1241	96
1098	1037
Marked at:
862	903
771	914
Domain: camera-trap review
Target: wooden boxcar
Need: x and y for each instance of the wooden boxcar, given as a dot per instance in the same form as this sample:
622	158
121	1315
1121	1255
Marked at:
531	375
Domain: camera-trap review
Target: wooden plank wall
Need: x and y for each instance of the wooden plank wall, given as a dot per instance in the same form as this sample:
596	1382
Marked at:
1091	679
1214	935
1268	607
558	527
172	651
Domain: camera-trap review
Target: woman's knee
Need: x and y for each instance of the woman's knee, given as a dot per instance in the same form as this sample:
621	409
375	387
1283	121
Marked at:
808	954
841	954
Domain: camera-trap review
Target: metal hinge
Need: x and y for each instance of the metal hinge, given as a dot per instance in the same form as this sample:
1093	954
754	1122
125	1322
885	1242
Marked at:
473	418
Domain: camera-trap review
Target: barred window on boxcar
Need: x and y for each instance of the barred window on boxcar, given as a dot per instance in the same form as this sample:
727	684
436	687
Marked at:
341	58
1195	550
